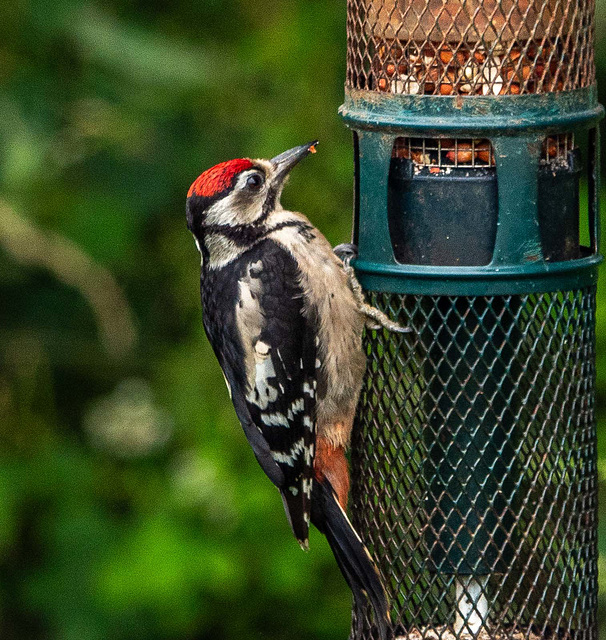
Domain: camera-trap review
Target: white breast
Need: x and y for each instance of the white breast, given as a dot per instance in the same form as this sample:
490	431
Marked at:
339	340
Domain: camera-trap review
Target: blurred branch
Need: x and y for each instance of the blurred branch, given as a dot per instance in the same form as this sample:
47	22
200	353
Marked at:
146	55
42	248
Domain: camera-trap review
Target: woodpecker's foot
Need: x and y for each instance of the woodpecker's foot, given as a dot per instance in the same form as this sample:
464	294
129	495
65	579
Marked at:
375	319
346	252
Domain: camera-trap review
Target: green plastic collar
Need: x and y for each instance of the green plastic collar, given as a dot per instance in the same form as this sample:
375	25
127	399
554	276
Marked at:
546	112
479	281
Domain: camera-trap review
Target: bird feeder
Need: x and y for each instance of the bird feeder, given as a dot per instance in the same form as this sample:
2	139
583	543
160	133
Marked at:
476	219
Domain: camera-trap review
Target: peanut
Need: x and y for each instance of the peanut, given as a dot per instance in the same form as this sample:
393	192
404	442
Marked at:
485	156
461	154
552	148
401	152
419	158
462	57
446	55
433	74
466	69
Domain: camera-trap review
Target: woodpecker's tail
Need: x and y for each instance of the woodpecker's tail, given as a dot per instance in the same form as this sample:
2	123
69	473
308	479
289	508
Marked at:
351	555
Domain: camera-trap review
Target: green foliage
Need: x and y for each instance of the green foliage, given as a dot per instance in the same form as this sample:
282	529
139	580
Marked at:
130	504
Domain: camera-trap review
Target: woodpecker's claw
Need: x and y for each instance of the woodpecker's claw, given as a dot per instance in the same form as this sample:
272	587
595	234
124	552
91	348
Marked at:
377	320
399	329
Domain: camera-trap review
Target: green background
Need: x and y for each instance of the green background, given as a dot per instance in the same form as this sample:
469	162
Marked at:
130	504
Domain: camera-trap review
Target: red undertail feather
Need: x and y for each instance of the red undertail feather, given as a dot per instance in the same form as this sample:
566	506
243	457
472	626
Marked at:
330	462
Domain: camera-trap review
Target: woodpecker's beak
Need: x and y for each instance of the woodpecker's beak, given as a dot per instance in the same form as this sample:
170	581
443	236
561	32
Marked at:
287	160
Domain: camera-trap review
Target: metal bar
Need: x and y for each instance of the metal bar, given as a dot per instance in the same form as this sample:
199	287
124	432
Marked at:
518	238
594	190
375	151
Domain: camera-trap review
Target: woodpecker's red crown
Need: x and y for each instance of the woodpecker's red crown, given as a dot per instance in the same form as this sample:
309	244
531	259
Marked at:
218	178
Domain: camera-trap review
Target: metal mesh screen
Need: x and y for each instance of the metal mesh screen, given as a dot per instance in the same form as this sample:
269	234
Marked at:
452	152
475	459
470	47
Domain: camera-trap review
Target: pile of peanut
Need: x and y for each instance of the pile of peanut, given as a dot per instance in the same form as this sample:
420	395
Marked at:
466	70
445	152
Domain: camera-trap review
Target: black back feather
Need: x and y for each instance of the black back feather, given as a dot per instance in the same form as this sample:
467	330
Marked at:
281	408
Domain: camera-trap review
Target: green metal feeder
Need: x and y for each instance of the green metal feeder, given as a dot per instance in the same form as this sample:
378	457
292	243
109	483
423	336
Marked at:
474	465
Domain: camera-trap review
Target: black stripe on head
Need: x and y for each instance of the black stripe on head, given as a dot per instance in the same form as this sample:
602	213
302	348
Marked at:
244	235
195	209
269	205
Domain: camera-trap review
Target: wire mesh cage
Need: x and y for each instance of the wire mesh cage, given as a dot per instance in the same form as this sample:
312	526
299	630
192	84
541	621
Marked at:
474	456
443	153
477	443
470	47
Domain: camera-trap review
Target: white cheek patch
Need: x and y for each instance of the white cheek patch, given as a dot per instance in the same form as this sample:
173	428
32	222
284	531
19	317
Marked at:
237	207
221	212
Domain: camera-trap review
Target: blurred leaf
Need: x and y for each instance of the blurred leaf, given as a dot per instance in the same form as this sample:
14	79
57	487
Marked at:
141	54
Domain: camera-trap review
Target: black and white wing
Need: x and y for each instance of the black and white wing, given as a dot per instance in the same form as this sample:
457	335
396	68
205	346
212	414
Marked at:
266	347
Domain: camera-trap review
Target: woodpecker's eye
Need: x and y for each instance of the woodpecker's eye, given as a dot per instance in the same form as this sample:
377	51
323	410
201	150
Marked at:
254	181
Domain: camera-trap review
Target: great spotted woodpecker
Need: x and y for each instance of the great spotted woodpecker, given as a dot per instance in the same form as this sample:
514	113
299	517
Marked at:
285	318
